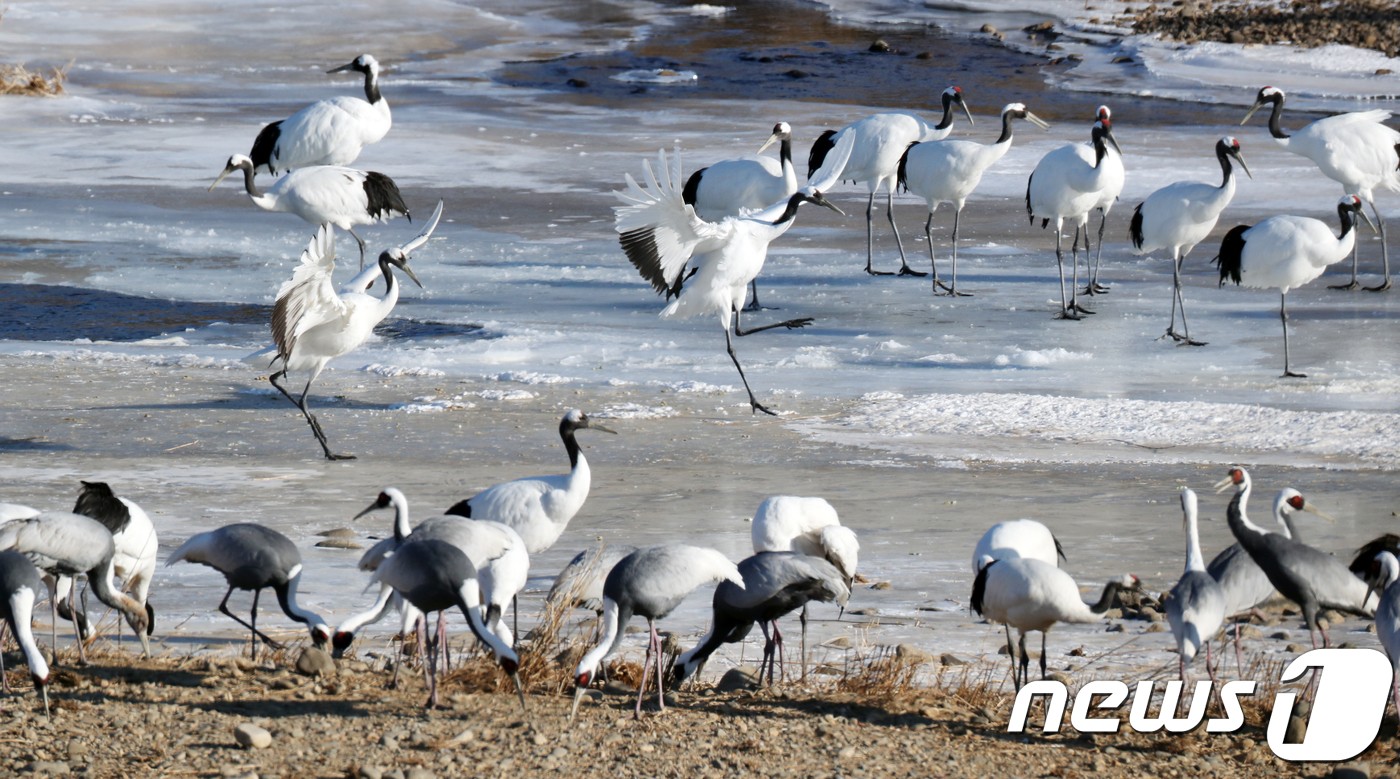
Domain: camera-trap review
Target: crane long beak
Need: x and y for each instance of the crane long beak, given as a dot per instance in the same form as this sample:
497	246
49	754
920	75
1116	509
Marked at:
1257	105
43	686
821	200
578	696
227	170
592	426
1315	510
519	691
1240	159
342	68
1224	484
966	112
411	274
1367	217
1114	141
772	139
1037	121
368	509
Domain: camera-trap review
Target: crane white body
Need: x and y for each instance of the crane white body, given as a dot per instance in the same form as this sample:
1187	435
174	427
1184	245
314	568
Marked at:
947	171
327	132
134	543
1115	175
879	142
1066	185
1024	538
1357	150
809	526
1179	216
662	235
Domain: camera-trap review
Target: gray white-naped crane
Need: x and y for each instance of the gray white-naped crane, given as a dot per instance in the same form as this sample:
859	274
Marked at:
1066	185
254	557
1029	594
809	526
495	551
775	584
651	582
135	544
1241	579
879	143
313	324
1387	581
539	508
948	171
1284	252
435	575
1196	605
1305	575
327	132
325	195
1181	215
661	235
739	186
1356	150
62	544
20	587
1108	195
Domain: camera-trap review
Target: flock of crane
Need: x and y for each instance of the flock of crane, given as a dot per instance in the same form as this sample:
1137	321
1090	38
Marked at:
703	241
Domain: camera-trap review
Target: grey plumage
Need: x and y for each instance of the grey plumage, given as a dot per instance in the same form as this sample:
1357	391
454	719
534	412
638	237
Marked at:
20	587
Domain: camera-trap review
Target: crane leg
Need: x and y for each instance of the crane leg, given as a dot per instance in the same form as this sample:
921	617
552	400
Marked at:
1385	253
1094	287
1074	260
1283	318
646	667
223	607
310	418
932	261
791	324
1066	312
1025	663
870	238
753	401
660	687
953	290
1210	669
1043	675
782	659
904	269
753	304
802	644
361	242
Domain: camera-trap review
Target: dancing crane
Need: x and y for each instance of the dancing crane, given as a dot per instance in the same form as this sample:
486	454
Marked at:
1065	185
1285	252
313	324
1030	594
1356	150
662	235
325	195
775	584
879	143
20	585
650	582
739	186
948	171
1307	576
327	132
254	557
434	575
1181	215
1196	605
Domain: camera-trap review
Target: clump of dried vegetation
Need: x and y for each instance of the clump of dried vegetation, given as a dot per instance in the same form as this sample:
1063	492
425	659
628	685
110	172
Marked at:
19	80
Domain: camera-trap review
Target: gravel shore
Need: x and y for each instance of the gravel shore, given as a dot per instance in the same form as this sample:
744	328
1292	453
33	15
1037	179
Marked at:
1367	24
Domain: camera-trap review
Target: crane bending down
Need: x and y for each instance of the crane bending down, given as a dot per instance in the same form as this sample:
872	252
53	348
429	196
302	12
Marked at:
62	544
434	575
1303	574
661	235
739	186
1357	150
879	141
20	587
1029	594
254	557
1196	605
1284	252
1181	215
948	171
650	582
1066	185
325	195
312	324
327	132
134	542
775	584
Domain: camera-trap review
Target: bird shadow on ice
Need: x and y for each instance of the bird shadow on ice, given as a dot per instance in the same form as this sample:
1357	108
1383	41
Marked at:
33	444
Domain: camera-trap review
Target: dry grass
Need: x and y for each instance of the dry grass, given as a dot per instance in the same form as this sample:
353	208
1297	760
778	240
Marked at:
19	80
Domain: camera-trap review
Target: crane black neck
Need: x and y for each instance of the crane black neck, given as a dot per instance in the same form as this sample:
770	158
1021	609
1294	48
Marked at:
566	432
1222	153
1348	216
947	120
248	183
1005	136
1274	128
372	87
791	210
785	152
386	270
